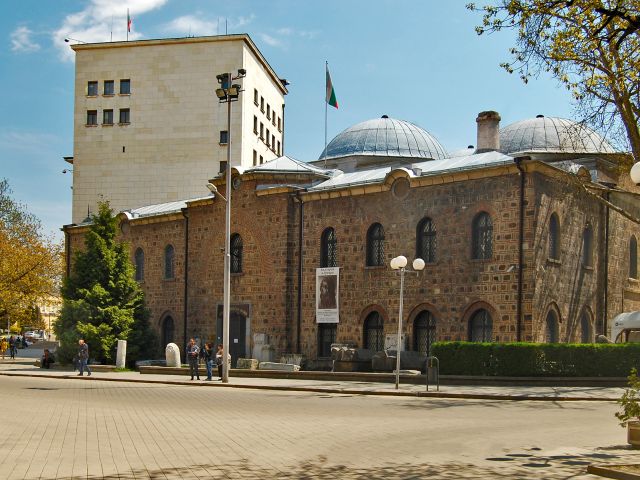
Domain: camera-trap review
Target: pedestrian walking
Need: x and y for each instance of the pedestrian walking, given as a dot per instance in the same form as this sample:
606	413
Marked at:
208	356
12	347
219	357
83	357
3	346
193	351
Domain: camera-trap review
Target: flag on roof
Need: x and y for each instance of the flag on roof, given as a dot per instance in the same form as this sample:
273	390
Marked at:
129	21
331	93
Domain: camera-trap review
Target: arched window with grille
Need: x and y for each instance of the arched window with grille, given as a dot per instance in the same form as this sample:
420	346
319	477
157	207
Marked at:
139	261
424	332
633	258
426	240
326	336
587	246
373	332
236	253
168	331
169	262
375	245
481	326
482	236
329	248
554	237
551	330
586	333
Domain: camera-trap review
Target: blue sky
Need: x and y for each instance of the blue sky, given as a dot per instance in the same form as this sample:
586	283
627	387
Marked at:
416	60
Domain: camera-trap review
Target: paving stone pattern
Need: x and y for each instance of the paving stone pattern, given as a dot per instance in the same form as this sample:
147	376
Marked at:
66	428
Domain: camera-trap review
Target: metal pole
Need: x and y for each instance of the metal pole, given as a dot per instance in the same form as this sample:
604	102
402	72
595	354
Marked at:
227	251
399	327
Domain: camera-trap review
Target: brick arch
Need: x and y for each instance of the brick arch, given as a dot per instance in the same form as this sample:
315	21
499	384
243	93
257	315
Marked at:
161	327
415	311
365	313
472	213
542	322
471	308
252	244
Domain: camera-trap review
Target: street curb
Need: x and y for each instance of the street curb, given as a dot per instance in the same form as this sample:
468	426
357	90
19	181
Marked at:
610	471
344	391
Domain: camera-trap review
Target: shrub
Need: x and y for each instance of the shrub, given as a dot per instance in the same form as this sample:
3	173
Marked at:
536	359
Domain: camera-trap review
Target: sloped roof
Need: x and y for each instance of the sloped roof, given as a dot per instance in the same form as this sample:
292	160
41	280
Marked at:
287	164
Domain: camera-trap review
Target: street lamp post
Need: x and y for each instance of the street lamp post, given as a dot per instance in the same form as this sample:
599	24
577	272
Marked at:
400	263
227	93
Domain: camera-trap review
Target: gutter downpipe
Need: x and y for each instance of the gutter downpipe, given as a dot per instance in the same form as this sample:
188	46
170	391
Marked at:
300	261
185	214
518	162
606	267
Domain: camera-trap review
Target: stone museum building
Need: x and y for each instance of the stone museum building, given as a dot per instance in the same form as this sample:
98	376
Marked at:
530	235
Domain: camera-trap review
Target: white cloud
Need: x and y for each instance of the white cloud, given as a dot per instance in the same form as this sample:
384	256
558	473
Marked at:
21	41
191	25
198	24
28	142
283	35
98	20
272	41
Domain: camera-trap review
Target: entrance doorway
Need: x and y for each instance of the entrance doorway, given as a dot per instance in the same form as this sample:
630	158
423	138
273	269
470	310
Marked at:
238	326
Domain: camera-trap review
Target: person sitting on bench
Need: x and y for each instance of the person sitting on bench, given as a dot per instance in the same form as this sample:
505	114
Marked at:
47	359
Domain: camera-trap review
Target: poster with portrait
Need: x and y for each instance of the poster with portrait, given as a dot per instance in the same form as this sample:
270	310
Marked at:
327	298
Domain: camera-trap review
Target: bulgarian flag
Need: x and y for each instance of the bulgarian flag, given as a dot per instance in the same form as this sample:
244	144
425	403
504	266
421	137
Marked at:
331	93
129	21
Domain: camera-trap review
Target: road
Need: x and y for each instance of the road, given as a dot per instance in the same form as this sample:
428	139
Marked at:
67	428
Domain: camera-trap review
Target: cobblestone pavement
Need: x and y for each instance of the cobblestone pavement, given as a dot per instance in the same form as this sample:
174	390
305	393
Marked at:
84	428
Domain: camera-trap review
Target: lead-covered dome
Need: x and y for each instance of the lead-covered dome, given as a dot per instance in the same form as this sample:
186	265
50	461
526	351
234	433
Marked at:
385	137
551	135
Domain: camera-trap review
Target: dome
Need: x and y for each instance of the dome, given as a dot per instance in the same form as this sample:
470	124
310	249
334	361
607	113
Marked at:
551	135
386	137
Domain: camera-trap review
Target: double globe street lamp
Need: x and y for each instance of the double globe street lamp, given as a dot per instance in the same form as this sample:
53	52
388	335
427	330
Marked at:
400	263
227	92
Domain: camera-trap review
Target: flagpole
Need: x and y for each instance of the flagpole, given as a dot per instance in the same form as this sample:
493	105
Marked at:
326	66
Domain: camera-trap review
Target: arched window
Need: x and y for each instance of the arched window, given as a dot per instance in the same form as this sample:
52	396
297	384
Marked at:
551	327
374	332
168	331
139	260
554	237
481	327
426	240
424	332
169	262
633	258
326	336
586	335
587	246
375	245
482	236
329	248
236	253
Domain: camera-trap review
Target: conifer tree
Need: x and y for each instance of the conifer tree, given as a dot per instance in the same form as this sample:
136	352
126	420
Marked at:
102	302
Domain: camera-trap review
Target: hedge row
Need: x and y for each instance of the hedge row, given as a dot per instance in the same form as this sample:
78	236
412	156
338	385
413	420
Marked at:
536	359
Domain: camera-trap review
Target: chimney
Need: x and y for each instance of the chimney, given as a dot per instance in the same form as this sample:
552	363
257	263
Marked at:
488	131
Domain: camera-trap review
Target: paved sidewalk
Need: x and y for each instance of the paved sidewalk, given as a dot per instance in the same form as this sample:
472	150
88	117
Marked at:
25	367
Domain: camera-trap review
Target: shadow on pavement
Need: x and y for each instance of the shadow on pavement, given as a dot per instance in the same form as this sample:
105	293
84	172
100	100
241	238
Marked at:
510	466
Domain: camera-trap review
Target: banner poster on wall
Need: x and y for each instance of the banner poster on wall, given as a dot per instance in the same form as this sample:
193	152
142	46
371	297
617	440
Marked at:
327	298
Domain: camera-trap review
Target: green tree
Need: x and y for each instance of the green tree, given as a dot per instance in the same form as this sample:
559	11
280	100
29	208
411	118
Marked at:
102	302
591	46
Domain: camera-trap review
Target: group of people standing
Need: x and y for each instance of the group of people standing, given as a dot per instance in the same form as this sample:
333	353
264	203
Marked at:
195	353
11	345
